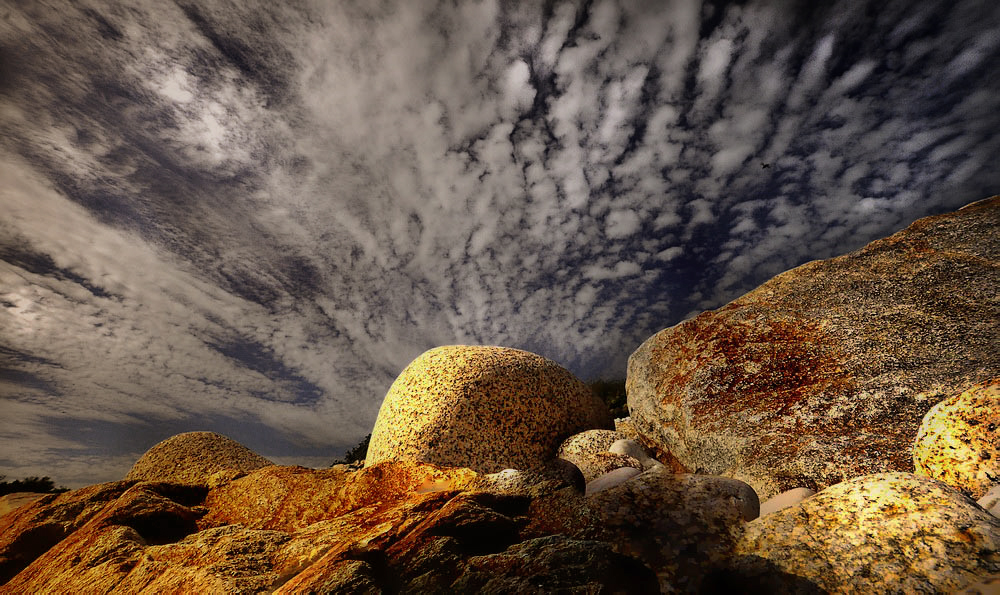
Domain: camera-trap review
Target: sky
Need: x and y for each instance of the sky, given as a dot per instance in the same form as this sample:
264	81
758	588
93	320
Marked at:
249	217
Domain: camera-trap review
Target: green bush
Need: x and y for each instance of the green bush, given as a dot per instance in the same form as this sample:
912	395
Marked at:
612	392
355	454
41	485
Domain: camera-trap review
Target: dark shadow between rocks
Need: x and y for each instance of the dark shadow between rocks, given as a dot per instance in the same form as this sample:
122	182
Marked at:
754	575
28	546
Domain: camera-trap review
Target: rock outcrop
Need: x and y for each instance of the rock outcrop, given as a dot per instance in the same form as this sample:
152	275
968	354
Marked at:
959	440
895	532
485	408
393	527
825	372
194	457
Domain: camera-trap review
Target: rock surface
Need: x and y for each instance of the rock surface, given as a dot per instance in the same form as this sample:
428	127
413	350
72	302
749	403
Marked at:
825	372
395	527
682	526
959	440
15	500
485	408
194	457
898	530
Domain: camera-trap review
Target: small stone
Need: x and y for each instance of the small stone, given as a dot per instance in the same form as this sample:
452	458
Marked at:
991	501
784	500
611	479
633	449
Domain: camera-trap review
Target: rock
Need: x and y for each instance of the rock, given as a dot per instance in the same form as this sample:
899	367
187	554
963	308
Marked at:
625	427
988	586
485	408
887	532
958	440
825	372
31	530
635	450
589	451
681	526
15	500
556	563
611	479
990	502
784	500
193	457
554	476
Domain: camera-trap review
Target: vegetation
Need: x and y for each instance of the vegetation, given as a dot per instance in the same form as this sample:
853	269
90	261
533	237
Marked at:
612	392
41	485
355	454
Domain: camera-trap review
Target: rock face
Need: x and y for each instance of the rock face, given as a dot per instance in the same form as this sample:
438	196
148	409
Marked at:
912	533
486	408
395	527
9	502
825	372
959	440
193	457
681	525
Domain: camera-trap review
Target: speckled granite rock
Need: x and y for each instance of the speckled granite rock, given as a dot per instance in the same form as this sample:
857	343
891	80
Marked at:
486	408
588	450
681	526
825	372
193	457
959	440
548	478
887	532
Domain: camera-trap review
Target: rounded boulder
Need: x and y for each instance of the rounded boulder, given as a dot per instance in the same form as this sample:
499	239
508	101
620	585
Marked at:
485	408
194	457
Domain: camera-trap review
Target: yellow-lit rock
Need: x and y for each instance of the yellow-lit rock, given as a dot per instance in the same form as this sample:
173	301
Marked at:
485	408
959	440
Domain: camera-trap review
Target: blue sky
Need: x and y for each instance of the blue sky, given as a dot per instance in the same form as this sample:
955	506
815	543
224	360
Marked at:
249	217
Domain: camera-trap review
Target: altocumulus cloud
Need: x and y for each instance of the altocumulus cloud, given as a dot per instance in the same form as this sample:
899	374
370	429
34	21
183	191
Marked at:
249	217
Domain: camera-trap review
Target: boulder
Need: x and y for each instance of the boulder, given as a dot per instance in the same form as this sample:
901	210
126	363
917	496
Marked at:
825	372
193	458
485	408
887	532
958	440
680	525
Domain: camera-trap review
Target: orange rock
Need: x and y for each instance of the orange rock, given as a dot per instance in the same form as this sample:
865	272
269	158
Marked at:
824	372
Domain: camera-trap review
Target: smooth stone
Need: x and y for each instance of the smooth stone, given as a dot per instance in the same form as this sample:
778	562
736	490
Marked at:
611	479
784	500
991	501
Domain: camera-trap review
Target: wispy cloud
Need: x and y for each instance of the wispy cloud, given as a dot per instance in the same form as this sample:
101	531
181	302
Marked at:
250	217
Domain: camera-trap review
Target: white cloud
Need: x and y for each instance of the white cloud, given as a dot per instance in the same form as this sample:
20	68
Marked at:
621	224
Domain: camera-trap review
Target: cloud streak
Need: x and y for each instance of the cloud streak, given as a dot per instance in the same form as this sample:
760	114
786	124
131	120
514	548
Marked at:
249	218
